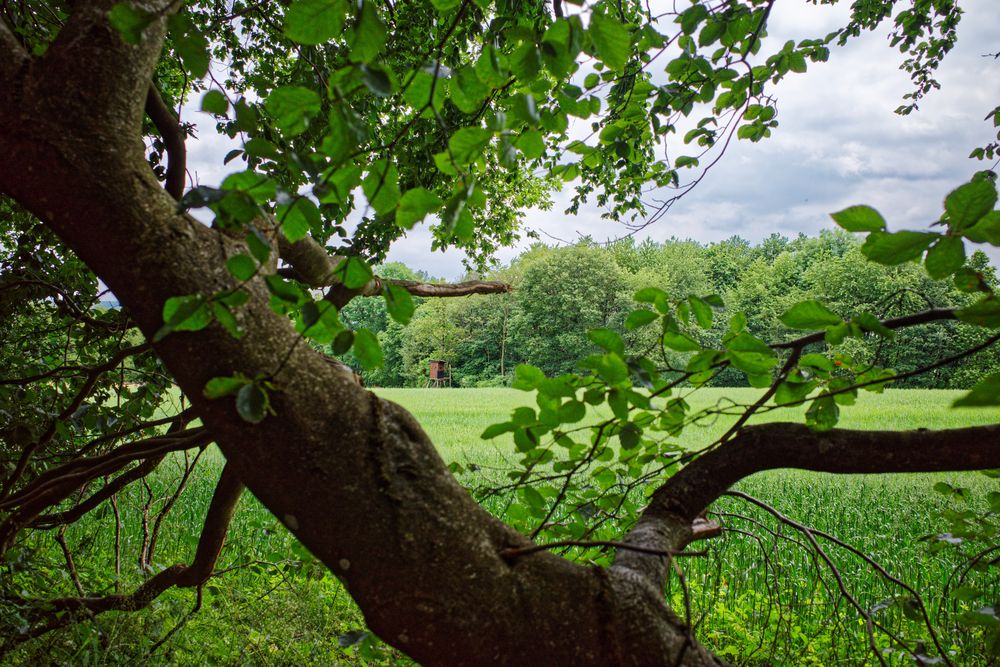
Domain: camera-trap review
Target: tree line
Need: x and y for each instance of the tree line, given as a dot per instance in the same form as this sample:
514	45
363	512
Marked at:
560	292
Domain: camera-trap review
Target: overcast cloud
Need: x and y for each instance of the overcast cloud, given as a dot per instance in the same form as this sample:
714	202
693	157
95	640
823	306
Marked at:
839	143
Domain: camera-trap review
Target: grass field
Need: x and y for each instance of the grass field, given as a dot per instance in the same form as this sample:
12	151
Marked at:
275	606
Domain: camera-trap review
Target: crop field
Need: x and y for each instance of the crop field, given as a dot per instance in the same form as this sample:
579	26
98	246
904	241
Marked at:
761	594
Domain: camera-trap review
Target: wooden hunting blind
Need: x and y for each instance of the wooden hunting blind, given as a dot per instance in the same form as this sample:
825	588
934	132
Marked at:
440	374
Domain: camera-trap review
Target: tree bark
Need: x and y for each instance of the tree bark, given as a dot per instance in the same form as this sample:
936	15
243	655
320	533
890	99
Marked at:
353	476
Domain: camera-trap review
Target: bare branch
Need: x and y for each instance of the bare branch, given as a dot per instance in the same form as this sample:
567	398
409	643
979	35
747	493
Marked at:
313	265
81	395
466	288
56	485
108	490
213	536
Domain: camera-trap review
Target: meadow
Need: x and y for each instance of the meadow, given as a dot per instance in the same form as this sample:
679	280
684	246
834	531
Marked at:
760	595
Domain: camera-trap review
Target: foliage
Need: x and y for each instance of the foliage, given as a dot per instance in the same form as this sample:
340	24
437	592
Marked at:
560	291
359	121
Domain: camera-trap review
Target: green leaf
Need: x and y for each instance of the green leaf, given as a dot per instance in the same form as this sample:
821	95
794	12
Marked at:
367	349
793	392
809	315
189	43
526	62
226	318
467	91
869	322
750	354
897	247
629	435
859	219
823	413
967	204
259	245
984	313
218	387
945	257
987	230
609	367
415	205
572	411
298	218
702	311
258	187
495	430
816	361
611	40
342	342
381	186
314	22
129	22
680	342
640	318
618	402
425	90
969	280
376	80
283	289
985	393
607	339
252	403
292	107
531	144
354	272
445	5
836	334
368	35
184	313
241	267
527	377
399	303
468	144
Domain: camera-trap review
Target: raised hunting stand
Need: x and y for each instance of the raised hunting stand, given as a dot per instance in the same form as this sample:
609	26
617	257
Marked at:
440	374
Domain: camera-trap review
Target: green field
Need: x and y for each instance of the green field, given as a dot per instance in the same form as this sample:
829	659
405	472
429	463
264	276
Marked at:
758	592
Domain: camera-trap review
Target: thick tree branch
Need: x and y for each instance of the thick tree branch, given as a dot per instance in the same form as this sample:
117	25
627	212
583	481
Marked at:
173	140
417	288
686	495
12	55
782	445
313	265
353	476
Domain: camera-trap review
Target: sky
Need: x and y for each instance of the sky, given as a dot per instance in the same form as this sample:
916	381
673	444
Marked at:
839	143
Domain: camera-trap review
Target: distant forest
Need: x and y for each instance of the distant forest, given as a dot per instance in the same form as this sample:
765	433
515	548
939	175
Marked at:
560	292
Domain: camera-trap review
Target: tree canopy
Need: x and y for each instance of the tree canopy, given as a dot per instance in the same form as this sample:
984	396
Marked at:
359	121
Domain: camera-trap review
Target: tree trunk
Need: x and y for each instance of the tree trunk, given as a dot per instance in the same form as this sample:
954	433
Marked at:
351	475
